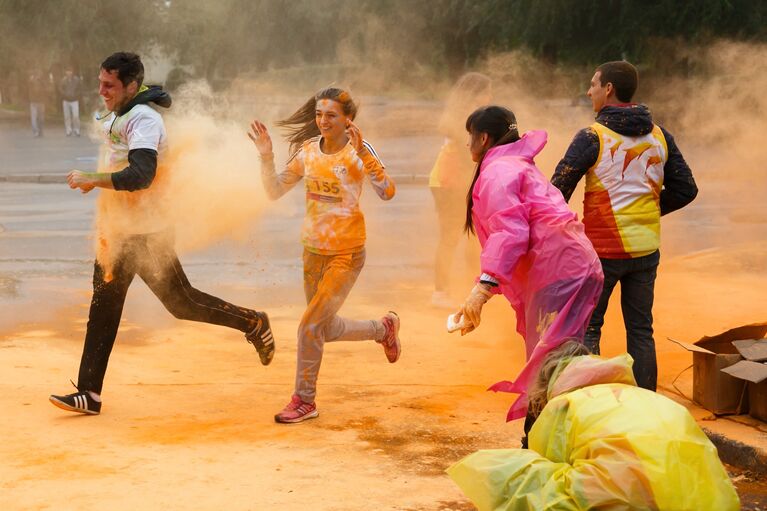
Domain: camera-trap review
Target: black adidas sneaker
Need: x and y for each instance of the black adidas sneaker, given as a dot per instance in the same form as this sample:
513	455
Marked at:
262	339
80	402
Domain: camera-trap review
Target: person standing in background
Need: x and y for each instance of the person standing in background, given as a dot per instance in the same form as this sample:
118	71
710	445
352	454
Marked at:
37	89
70	90
451	175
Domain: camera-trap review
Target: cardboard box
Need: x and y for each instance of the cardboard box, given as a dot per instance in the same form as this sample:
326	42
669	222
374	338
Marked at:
752	349
758	394
753	370
713	389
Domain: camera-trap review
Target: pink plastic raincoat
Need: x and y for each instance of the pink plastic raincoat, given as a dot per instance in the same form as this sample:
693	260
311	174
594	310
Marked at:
536	248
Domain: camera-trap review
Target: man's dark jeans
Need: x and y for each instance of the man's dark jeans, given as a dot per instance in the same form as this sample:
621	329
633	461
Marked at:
151	257
637	278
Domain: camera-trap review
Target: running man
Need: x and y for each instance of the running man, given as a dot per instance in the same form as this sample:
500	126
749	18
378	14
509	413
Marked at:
329	153
135	237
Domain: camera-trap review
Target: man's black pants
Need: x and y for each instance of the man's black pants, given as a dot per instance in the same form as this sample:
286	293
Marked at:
152	258
637	279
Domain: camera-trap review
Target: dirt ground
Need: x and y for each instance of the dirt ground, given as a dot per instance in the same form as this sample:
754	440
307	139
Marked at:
187	415
187	418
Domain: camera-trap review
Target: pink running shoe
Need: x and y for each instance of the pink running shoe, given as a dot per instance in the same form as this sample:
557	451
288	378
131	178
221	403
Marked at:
390	341
296	411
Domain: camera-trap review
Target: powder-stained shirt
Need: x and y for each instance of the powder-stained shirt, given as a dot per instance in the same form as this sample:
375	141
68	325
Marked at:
139	212
334	223
140	128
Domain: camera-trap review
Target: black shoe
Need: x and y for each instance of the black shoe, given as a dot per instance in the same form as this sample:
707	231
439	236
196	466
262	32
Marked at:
81	402
262	339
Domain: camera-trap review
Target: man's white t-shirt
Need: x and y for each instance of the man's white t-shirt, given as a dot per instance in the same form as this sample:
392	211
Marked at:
141	128
124	213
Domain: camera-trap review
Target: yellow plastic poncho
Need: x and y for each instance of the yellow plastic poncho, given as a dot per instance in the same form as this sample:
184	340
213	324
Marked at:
602	443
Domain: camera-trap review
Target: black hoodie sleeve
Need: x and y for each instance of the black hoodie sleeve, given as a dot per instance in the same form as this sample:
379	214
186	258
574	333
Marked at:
679	188
579	158
140	172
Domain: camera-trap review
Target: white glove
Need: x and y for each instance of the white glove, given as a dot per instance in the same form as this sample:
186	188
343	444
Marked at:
471	309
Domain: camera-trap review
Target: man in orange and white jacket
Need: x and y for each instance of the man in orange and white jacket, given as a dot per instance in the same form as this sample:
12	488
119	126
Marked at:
635	173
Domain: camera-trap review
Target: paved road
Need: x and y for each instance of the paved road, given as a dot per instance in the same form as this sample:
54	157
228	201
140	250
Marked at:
26	158
54	153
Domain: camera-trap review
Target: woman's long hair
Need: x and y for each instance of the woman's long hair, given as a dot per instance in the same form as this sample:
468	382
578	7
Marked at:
537	394
500	125
302	125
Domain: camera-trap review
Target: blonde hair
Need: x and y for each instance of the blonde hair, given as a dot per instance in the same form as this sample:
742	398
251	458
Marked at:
301	126
537	394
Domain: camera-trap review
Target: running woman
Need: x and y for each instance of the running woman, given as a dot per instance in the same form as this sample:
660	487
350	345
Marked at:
135	237
327	150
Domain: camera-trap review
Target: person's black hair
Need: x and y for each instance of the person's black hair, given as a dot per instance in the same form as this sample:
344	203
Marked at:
624	77
500	125
127	65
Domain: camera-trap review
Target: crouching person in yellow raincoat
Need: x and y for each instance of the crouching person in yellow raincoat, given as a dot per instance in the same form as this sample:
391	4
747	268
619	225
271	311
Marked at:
600	442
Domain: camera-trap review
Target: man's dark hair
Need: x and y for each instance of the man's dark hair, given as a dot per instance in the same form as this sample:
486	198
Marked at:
128	66
622	75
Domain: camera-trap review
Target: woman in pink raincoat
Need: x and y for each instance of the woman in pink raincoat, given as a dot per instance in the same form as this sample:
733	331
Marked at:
534	249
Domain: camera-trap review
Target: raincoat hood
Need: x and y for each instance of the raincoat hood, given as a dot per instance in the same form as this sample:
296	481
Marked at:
148	94
527	147
632	120
586	370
